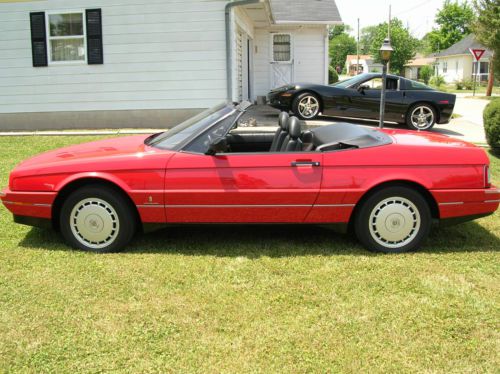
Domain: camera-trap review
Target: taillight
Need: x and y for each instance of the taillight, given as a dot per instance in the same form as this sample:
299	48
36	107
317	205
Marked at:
487	176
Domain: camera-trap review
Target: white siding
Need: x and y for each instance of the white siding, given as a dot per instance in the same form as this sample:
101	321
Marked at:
309	60
158	54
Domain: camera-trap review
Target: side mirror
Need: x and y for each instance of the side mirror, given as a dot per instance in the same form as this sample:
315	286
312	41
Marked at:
362	88
216	145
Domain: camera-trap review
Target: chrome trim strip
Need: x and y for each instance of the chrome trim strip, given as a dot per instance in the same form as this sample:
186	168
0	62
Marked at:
22	203
453	203
492	191
492	201
245	206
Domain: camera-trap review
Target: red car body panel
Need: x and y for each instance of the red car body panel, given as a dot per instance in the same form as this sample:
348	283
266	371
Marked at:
180	187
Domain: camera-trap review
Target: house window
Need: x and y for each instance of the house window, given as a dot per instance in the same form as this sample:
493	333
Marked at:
66	37
445	67
483	67
282	47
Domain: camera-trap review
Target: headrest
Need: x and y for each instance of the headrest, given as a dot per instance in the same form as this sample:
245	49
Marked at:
283	120
294	127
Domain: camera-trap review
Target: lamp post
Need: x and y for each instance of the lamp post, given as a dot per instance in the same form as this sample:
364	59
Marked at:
385	55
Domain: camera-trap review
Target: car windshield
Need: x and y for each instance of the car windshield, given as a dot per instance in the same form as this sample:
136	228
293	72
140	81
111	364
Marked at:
179	134
351	81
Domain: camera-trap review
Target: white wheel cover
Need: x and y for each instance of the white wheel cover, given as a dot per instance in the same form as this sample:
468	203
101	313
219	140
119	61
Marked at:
394	222
94	223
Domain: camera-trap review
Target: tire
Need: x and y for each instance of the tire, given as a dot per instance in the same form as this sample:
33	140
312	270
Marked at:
97	219
393	220
421	116
306	106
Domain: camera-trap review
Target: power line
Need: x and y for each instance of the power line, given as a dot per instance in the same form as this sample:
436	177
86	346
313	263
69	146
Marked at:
415	7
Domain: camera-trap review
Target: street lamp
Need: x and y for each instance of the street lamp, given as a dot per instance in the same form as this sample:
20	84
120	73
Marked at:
385	55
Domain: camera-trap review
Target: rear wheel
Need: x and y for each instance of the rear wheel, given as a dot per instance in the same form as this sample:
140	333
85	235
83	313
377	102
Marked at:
393	220
421	117
306	106
97	219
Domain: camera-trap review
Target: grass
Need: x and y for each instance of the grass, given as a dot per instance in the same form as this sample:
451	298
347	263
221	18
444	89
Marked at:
246	299
480	90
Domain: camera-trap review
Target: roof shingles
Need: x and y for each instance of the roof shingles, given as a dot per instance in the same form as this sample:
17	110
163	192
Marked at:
305	11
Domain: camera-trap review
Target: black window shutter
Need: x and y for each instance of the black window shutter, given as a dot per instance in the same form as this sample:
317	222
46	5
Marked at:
94	37
38	39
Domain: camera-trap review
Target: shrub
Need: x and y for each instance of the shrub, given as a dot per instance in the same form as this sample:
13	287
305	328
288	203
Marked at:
333	77
437	80
467	84
491	119
459	85
426	73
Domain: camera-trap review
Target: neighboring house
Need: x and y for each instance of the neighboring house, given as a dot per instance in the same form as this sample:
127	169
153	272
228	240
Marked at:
457	63
366	64
412	68
151	63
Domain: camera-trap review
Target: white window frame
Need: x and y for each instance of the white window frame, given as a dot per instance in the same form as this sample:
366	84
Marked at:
49	38
291	48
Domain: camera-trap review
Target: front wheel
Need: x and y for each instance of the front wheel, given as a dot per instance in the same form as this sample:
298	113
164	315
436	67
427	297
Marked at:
97	219
306	106
421	117
393	220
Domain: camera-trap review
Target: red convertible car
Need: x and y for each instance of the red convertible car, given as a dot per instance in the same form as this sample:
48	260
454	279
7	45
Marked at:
388	186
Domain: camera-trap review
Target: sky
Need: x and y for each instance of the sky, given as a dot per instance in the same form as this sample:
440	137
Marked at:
417	14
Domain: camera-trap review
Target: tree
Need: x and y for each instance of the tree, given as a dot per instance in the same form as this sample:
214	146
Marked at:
426	73
368	33
487	32
455	21
337	30
402	41
341	46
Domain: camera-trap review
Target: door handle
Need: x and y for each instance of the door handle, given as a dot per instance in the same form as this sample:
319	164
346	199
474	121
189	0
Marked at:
305	163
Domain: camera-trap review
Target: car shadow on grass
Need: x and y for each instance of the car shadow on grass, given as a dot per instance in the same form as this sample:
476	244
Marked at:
254	241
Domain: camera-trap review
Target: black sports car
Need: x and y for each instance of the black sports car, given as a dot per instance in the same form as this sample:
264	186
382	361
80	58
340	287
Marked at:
407	102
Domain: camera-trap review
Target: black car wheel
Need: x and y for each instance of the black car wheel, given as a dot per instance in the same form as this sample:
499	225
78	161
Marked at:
97	219
393	220
421	117
306	106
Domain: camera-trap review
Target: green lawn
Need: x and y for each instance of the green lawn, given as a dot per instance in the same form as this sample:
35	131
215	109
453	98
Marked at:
246	299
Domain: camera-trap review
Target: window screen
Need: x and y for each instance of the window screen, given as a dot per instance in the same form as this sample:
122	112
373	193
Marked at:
281	47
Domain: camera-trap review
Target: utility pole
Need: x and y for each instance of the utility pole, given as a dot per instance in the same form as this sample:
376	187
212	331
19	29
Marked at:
357	51
389	36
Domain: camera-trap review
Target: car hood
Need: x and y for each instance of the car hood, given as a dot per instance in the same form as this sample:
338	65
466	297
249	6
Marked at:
86	152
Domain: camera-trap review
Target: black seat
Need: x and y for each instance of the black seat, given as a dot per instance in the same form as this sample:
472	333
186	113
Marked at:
281	133
293	142
307	138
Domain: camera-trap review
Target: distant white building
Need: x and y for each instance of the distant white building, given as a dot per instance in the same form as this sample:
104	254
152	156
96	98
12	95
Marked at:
412	68
457	63
366	64
151	63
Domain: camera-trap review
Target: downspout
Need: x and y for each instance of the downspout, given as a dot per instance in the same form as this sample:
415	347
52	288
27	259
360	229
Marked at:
229	50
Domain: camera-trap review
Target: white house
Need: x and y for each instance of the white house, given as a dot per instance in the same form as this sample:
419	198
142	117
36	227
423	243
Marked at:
367	64
412	68
457	63
151	63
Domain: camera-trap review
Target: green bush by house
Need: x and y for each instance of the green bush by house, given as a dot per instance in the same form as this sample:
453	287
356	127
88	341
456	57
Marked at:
333	77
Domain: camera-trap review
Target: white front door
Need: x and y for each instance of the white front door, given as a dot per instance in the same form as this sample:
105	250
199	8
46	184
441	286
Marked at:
243	43
281	60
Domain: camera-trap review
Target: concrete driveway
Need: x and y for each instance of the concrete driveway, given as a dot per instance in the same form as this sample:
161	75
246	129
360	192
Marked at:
468	127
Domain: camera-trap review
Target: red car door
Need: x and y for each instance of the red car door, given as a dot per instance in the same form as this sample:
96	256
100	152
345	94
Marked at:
243	187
